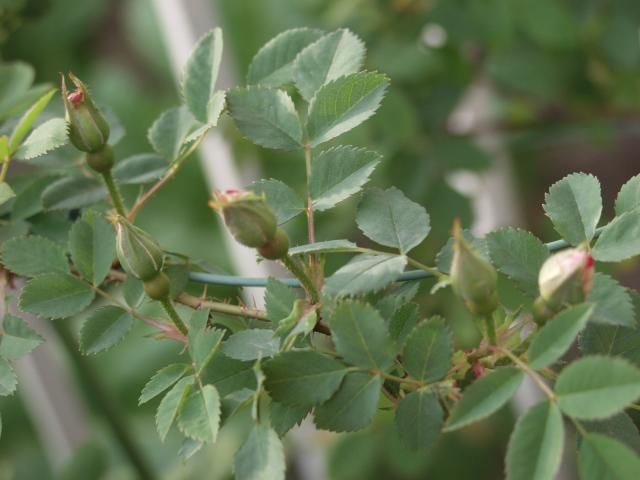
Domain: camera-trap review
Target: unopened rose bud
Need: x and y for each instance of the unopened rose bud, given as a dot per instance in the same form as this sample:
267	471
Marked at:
565	278
138	253
472	277
88	129
247	216
277	247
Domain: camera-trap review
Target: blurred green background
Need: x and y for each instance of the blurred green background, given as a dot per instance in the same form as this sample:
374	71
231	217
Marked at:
564	84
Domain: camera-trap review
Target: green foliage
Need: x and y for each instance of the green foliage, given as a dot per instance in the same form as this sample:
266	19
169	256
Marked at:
92	245
68	193
168	134
427	351
200	415
104	328
365	273
419	419
612	302
171	404
33	255
602	457
629	196
163	379
17	339
281	198
261	456
8	379
55	295
48	136
251	344
619	240
139	169
278	299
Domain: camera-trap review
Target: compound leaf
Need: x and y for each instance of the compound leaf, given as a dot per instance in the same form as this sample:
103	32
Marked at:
427	351
33	255
55	295
419	419
104	328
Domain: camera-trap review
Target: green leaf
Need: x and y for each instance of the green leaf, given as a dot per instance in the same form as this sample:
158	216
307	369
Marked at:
266	117
6	192
391	219
273	64
69	193
27	120
302	378
8	379
613	341
612	302
286	203
574	205
629	196
445	255
261	457
402	322
92	243
104	328
161	380
619	427
619	240
48	136
55	295
278	299
251	344
324	247
485	396
171	404
427	352
200	415
139	169
15	80
338	173
601	457
360	336
353	406
365	273
535	447
203	345
168	134
200	76
334	55
28	201
555	338
229	375
17	338
419	419
285	417
32	255
519	255
344	104
132	291
595	387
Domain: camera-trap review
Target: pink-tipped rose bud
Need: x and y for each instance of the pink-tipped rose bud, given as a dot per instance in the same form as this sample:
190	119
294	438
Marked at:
566	278
473	278
88	129
247	216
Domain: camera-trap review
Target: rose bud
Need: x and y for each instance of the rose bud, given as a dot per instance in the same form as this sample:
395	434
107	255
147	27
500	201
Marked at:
88	129
138	253
473	278
565	278
277	247
247	216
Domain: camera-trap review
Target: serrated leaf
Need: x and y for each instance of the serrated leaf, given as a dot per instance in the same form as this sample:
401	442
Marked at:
273	64
601	457
324	247
189	448
427	352
229	375
17	338
27	120
278	299
69	193
92	244
16	78
251	344
170	406
535	447
353	406
402	323
364	274
485	396
6	192
612	302
104	328
139	169
338	173
334	55
55	295
161	380
619	427
266	117
169	132
360	336
132	291
619	239
286	203
391	219
519	255
28	201
8	379
574	205
48	136
200	415
595	387
343	104
33	255
299	378
629	196
610	340
203	345
200	76
261	457
285	417
555	338
419	419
